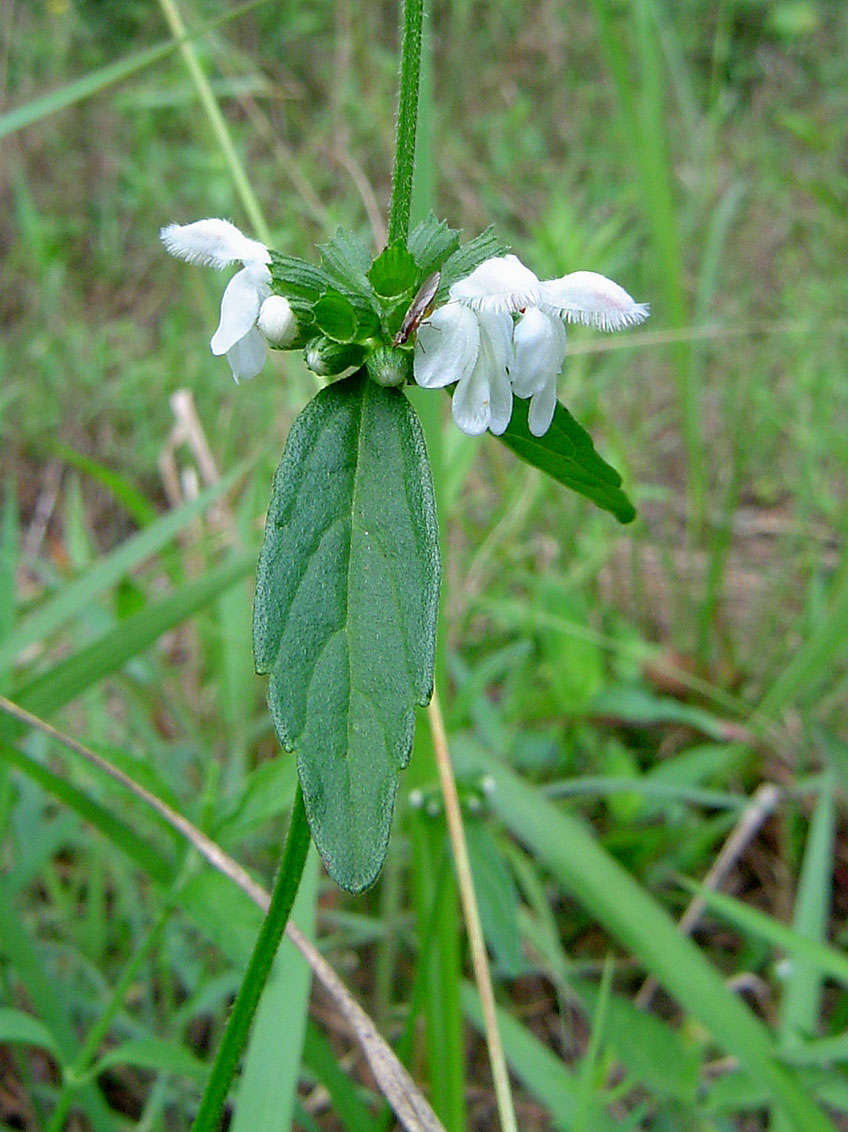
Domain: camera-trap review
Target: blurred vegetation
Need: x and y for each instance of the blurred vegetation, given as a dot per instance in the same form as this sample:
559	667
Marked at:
648	678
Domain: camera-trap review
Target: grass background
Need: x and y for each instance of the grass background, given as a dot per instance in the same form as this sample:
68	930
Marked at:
648	678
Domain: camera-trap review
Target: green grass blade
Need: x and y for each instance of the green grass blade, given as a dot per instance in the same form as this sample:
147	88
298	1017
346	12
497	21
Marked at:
140	851
268	1086
77	595
800	1007
23	1029
60	684
138	506
565	846
321	1059
542	1073
96	81
826	961
48	1000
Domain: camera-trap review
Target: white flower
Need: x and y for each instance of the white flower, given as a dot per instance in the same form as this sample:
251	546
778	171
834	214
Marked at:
474	349
450	345
250	314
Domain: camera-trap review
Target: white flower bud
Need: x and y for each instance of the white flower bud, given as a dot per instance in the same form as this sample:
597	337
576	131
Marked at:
277	322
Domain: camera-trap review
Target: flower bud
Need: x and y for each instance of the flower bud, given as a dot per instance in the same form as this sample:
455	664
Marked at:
387	366
328	358
277	322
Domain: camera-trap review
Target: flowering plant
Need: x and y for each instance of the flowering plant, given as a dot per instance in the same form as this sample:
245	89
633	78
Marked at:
347	587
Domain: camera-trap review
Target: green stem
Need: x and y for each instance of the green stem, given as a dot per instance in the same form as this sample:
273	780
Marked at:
410	75
235	1036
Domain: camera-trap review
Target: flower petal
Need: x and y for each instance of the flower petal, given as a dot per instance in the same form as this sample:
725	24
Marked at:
212	242
542	407
446	346
594	300
502	283
500	402
470	405
239	311
247	356
484	399
539	343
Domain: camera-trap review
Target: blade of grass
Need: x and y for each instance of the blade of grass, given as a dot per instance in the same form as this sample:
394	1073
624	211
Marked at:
321	1059
542	1073
268	1086
564	845
221	131
98	80
396	1084
76	1073
77	595
109	653
819	957
47	997
799	1013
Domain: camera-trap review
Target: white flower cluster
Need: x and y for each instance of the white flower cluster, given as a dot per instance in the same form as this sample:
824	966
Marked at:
502	332
477	341
250	314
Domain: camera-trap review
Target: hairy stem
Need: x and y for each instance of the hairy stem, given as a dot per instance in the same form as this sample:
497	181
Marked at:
410	77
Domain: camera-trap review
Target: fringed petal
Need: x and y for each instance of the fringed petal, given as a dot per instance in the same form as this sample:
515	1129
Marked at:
212	242
499	284
594	300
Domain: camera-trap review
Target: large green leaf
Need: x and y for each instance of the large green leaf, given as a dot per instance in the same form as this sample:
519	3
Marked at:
566	453
345	615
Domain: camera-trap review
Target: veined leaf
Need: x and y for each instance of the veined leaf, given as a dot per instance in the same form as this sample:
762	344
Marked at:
346	259
431	242
394	272
566	453
345	614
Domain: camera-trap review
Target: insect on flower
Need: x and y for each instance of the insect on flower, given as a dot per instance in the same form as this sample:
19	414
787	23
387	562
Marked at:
419	308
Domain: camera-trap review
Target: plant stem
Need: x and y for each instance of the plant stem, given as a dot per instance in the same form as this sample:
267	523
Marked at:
410	75
235	1036
471	914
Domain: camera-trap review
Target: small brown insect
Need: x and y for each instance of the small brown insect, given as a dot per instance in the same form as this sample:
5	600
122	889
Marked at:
419	308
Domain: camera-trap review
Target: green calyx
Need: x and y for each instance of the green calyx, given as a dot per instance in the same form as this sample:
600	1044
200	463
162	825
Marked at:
350	309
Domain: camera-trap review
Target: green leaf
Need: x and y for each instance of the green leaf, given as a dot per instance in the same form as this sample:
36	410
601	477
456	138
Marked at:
345	259
110	652
394	272
566	453
19	1028
77	596
345	614
296	279
335	317
465	259
154	1054
497	898
431	242
543	1074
